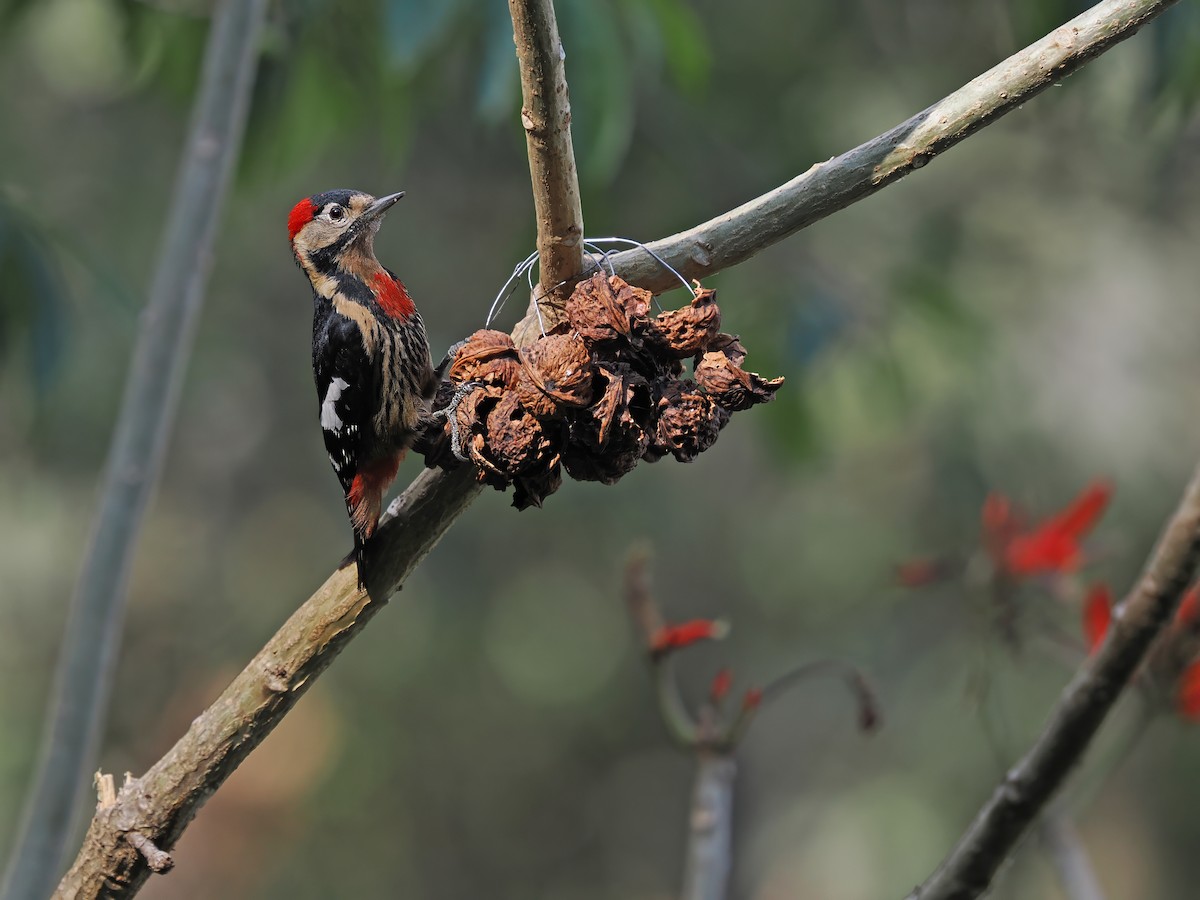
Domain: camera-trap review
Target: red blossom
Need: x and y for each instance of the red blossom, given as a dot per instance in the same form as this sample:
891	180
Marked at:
752	699
1187	695
676	637
1188	614
1054	545
1097	615
920	572
1000	524
719	689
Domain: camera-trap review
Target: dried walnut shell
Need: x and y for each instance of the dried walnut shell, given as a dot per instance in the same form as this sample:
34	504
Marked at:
611	437
560	366
686	331
731	385
486	356
688	421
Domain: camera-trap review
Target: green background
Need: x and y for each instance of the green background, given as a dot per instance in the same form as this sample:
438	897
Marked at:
1019	316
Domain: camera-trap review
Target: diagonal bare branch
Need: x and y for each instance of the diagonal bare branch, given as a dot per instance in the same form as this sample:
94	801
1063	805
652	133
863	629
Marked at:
161	803
1028	786
827	187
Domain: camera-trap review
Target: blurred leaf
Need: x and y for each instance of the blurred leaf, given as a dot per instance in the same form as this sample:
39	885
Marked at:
815	324
323	85
499	80
78	46
11	11
1033	19
599	71
688	55
413	26
34	304
164	49
1175	63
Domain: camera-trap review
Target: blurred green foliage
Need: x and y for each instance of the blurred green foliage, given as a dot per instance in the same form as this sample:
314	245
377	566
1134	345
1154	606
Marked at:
1020	316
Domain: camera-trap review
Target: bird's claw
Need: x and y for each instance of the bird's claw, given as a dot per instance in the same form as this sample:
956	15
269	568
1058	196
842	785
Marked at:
446	413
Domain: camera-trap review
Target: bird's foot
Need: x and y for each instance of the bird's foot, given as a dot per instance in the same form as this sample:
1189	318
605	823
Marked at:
447	414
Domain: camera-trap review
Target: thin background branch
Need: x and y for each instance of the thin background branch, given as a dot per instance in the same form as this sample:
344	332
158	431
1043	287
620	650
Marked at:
160	804
93	632
709	862
1069	857
1020	797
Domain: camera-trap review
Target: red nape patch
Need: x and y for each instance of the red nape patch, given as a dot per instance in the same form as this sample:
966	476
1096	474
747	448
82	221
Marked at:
393	296
302	213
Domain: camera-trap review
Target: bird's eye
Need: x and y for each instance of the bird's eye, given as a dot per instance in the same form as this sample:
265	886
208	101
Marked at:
336	213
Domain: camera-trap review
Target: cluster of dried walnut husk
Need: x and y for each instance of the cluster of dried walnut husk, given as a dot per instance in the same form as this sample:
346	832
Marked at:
601	391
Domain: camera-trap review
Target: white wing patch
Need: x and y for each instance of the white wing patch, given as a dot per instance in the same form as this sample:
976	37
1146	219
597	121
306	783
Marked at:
330	420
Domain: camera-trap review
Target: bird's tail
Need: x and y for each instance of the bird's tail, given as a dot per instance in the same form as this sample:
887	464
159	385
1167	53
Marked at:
364	502
357	556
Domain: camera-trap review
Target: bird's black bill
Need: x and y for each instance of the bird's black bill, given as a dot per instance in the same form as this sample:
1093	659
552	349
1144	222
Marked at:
380	206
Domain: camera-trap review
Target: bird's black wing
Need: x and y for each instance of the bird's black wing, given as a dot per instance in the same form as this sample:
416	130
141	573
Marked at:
347	393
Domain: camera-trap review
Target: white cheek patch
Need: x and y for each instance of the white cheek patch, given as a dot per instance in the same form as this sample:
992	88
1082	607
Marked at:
330	420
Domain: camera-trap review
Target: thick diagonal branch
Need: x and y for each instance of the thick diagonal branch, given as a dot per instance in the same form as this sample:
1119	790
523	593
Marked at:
161	803
1027	787
93	631
825	188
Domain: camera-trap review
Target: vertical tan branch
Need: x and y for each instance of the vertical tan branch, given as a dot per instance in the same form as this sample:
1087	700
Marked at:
546	118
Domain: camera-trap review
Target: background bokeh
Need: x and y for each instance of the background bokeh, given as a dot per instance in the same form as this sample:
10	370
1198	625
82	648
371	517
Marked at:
1019	316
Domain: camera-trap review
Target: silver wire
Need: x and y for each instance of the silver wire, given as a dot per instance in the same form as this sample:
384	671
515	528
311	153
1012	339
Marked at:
526	267
662	262
508	288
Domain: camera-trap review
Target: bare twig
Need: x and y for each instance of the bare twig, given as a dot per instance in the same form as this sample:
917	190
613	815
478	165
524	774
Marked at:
546	118
1028	786
709	857
682	728
93	632
1069	858
158	860
827	187
161	803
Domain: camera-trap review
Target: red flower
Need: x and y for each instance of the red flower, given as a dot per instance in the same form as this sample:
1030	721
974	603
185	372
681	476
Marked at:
719	689
752	699
1054	545
1097	615
676	637
1000	524
1188	614
921	571
1187	693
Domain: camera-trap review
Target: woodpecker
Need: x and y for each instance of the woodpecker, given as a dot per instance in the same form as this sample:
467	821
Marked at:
371	361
